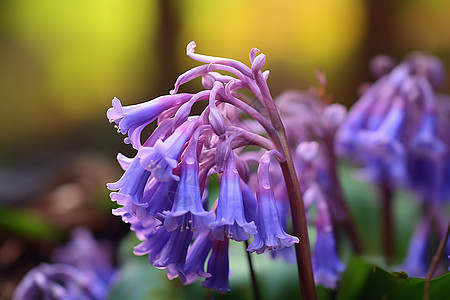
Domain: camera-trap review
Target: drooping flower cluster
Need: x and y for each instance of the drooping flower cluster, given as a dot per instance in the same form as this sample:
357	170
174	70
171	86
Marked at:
163	192
397	131
82	269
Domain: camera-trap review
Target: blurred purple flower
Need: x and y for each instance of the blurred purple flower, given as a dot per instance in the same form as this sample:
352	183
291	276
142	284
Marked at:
82	269
59	281
326	263
418	257
393	129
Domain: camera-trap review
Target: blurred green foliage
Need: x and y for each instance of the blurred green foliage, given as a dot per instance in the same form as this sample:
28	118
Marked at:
28	225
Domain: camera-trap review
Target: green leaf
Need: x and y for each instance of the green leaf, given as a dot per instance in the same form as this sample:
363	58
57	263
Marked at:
363	280
362	198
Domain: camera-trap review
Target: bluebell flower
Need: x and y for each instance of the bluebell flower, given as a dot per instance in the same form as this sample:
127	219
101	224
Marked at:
82	269
59	281
87	254
133	119
166	202
230	220
173	256
382	152
425	159
187	211
327	266
381	65
249	202
370	111
194	266
392	130
153	243
271	234
159	196
131	185
218	267
428	67
161	158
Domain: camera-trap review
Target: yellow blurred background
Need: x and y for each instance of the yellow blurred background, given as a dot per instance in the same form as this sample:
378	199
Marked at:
63	61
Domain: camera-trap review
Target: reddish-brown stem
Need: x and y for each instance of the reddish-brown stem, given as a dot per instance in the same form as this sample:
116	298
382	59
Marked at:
302	249
435	261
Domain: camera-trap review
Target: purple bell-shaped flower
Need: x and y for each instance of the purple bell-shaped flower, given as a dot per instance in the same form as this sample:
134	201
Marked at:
271	234
230	220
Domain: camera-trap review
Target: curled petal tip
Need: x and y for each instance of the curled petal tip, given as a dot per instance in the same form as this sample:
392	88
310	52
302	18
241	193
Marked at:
190	47
258	63
117	105
253	53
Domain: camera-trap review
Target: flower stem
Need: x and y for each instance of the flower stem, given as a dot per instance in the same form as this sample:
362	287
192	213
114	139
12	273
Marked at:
300	226
255	286
343	214
388	234
435	261
302	249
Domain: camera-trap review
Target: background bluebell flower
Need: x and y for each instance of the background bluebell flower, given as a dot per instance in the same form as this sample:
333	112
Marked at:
82	269
418	257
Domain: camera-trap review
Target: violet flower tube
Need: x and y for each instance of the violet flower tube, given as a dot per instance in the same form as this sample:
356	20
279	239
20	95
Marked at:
162	193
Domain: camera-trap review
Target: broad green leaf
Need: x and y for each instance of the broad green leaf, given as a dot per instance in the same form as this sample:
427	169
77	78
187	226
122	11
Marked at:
363	280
